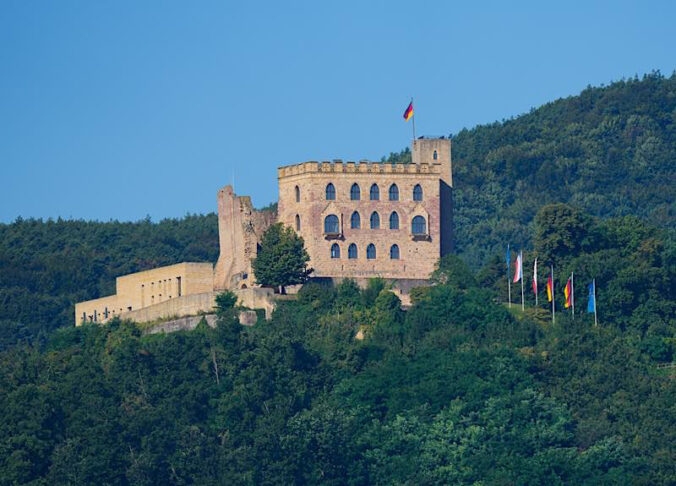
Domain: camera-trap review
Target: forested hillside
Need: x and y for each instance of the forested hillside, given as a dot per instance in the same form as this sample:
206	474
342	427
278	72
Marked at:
456	390
47	266
609	151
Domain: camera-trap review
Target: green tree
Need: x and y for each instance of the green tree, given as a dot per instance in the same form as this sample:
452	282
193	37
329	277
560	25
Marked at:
560	231
282	259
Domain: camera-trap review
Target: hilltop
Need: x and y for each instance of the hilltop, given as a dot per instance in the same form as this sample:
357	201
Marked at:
610	151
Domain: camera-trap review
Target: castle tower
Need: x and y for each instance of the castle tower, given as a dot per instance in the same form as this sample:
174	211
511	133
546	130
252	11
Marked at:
437	151
240	228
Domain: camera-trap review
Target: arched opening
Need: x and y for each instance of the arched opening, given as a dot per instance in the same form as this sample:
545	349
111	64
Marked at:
434	155
355	220
352	251
244	286
394	252
297	222
355	192
375	220
419	226
374	194
331	224
335	251
394	192
330	192
297	194
417	193
371	251
394	221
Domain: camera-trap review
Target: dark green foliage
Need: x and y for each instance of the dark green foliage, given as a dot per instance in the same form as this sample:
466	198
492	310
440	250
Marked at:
282	259
456	390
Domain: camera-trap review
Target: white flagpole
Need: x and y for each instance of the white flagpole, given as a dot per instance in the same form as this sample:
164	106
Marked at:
521	272
509	277
553	299
596	319
572	293
413	118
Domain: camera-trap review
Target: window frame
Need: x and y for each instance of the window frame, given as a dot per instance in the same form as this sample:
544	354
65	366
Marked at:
330	192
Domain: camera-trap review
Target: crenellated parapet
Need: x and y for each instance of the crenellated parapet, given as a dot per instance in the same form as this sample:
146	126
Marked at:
361	167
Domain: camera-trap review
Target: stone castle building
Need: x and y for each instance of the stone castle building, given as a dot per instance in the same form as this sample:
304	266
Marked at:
358	220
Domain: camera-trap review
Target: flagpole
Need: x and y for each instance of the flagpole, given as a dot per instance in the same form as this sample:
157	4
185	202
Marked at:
553	299
509	278
572	292
596	319
521	271
413	119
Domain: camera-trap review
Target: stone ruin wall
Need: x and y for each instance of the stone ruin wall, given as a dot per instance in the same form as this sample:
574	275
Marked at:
240	228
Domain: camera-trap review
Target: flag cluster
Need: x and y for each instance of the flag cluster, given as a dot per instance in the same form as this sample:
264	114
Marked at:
568	290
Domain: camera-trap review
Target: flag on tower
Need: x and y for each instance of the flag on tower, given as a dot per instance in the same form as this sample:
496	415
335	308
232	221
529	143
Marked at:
550	288
409	112
518	270
535	277
568	293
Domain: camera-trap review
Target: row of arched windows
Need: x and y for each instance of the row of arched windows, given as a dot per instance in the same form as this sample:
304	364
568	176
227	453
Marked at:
353	251
355	220
374	193
332	223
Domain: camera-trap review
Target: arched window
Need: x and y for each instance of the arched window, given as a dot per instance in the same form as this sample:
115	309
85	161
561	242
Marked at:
355	193
394	252
434	155
297	223
375	220
394	220
375	192
352	251
331	225
297	194
419	226
355	220
394	192
335	251
330	192
371	251
417	193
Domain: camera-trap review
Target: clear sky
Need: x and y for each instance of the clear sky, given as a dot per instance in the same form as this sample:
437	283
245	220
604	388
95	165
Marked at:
122	109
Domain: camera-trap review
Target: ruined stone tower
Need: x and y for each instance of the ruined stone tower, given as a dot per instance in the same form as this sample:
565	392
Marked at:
240	228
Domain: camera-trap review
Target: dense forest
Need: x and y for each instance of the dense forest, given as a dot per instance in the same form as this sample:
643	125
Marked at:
458	389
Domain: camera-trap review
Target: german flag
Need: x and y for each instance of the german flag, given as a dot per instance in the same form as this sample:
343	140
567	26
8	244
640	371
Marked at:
409	112
567	291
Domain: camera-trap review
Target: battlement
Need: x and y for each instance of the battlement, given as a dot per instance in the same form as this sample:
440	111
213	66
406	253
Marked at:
361	167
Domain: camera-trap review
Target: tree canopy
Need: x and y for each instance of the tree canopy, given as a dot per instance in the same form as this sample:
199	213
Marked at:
282	259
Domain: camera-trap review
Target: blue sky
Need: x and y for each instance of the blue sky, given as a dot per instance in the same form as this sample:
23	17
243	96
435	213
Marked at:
122	109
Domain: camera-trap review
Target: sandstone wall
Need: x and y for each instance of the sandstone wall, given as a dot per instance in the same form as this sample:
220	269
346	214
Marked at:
240	228
417	255
151	287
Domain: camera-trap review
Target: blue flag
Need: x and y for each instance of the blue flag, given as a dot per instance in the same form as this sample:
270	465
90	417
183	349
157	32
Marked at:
591	305
509	256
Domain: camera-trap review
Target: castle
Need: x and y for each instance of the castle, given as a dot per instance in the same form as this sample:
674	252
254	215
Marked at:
358	220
